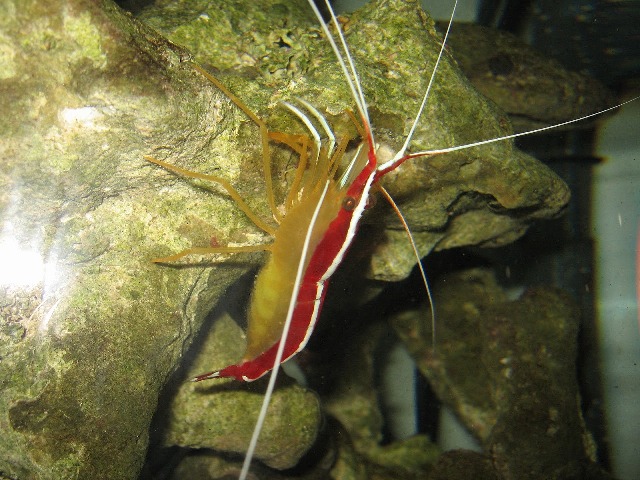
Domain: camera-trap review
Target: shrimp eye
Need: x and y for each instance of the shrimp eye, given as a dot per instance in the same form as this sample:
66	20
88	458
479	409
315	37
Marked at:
349	203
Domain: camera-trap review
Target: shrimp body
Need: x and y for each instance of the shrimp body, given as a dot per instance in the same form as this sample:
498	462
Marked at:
322	212
340	204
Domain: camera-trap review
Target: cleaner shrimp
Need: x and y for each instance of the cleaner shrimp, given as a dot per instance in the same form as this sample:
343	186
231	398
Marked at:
322	212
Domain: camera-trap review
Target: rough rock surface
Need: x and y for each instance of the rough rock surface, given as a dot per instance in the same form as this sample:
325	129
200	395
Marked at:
532	89
507	369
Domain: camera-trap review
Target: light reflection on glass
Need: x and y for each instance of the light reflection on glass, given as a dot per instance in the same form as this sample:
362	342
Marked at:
21	266
24	268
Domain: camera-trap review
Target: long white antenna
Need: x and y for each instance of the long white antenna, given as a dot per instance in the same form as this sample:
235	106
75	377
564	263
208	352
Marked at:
347	53
514	135
401	152
407	141
350	73
285	332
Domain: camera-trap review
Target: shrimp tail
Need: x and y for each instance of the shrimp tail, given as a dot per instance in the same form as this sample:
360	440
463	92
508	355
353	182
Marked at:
232	371
246	371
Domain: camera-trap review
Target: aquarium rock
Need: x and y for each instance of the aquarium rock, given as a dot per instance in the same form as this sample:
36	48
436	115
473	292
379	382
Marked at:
507	368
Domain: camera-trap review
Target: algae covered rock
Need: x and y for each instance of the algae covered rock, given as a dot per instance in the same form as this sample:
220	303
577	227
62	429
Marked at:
92	329
221	417
92	338
507	369
533	90
350	387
